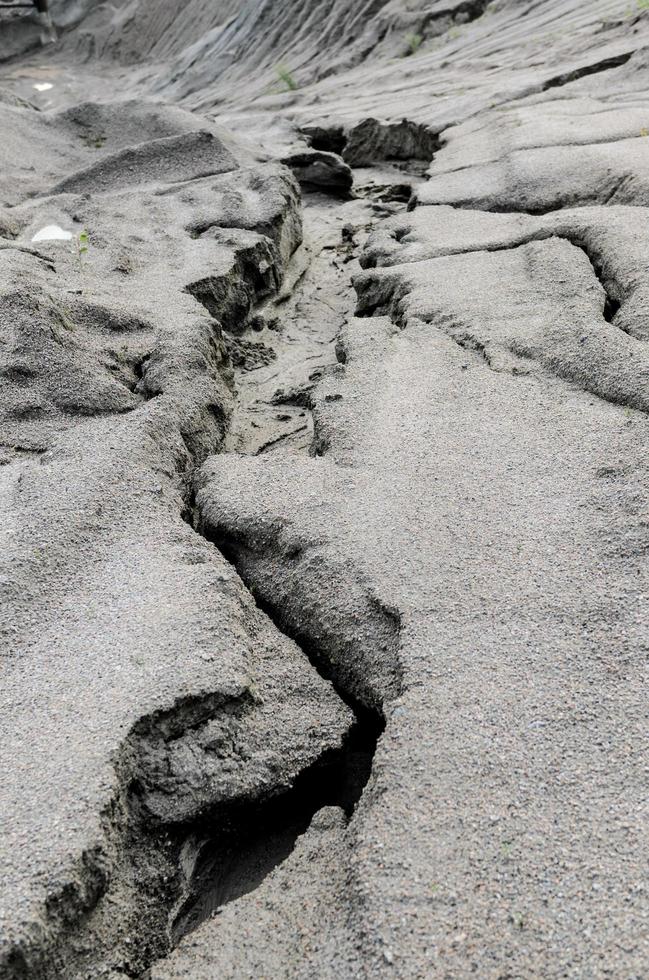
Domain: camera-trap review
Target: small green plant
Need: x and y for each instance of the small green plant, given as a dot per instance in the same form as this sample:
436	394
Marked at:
642	4
414	42
285	76
93	140
81	243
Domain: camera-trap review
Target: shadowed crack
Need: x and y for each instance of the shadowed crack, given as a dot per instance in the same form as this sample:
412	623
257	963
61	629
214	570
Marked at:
571	76
612	292
231	297
371	141
231	850
347	634
231	857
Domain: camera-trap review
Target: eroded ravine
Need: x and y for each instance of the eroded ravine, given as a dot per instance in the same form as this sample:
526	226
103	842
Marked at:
229	851
294	335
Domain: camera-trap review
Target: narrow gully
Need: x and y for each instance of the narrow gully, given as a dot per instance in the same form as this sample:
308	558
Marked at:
289	343
227	855
291	340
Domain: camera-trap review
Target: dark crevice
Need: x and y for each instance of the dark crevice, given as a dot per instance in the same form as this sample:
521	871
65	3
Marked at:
463	13
235	855
233	849
613	296
611	306
571	76
371	141
327	139
236	846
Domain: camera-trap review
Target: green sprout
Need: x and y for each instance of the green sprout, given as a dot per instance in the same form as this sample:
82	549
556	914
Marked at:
82	241
414	42
285	76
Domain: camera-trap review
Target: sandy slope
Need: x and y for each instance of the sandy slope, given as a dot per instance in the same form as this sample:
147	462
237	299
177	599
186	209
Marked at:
324	513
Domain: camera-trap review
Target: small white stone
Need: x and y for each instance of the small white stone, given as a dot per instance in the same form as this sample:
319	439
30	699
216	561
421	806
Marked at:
52	233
